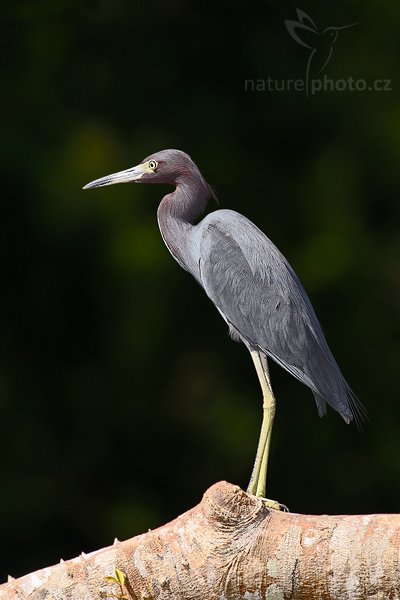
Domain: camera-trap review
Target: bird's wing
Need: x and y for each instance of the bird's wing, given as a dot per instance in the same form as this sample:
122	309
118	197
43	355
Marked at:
261	298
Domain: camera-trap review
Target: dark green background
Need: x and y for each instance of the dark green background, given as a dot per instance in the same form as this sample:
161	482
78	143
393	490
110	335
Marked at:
122	398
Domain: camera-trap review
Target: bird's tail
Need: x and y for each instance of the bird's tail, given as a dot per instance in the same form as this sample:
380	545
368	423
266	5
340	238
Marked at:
351	408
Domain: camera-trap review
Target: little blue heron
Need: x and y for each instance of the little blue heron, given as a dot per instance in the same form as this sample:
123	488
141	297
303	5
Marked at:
253	287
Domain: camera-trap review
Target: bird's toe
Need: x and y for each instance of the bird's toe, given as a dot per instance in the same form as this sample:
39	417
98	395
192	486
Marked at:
274	504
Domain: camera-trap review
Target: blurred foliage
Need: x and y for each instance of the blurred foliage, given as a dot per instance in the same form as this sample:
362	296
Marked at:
122	397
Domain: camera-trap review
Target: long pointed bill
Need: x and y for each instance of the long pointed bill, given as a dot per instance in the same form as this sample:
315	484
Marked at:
127	176
347	26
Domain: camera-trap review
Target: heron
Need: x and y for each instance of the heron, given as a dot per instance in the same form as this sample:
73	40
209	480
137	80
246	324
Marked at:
253	287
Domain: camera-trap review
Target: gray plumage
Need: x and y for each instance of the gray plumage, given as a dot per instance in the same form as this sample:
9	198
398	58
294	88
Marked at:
254	288
262	300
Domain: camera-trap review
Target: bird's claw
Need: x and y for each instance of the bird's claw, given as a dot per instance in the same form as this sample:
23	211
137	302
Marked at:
274	504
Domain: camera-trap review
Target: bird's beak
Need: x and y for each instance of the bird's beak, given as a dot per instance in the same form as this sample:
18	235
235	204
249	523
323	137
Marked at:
346	26
127	176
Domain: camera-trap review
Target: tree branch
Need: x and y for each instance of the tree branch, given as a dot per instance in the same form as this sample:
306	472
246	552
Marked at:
229	547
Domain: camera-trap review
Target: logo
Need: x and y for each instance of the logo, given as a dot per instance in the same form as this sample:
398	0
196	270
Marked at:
320	43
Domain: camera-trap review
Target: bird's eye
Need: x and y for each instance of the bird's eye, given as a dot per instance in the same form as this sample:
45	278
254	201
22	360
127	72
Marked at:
153	165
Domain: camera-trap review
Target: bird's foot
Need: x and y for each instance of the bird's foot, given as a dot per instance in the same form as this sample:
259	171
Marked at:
274	504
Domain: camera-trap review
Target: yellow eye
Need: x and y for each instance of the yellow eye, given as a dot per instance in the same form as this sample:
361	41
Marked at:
153	165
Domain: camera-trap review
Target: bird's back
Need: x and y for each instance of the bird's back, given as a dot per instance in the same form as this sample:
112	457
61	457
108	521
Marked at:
262	300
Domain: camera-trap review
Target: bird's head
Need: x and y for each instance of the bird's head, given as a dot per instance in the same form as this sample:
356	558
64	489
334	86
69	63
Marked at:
332	33
166	166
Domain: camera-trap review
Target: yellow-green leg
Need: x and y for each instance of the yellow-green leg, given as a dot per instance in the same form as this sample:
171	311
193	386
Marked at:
257	484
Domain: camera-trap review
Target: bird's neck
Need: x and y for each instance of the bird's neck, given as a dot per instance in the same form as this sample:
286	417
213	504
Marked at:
187	202
177	214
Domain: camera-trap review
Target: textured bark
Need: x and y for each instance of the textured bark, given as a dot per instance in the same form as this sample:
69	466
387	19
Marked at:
229	547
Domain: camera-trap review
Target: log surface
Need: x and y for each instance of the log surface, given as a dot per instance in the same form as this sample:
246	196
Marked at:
231	547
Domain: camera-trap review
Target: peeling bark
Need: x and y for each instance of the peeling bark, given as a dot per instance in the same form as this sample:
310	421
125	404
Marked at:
229	547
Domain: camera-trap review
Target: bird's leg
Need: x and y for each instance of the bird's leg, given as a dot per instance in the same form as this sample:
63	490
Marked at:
257	485
259	474
269	404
